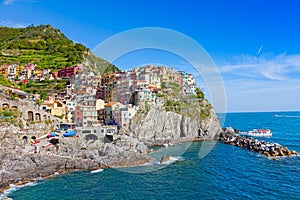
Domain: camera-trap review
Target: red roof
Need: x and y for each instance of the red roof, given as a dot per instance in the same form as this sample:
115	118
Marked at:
110	104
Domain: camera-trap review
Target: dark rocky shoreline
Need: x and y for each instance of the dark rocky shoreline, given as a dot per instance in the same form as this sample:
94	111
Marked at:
229	136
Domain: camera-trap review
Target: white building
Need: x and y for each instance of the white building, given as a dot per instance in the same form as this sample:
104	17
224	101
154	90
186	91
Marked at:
71	105
124	115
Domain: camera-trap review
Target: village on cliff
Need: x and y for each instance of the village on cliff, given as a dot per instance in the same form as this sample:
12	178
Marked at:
109	101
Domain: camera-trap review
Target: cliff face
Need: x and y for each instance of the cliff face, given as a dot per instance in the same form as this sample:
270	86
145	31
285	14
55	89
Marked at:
17	164
157	125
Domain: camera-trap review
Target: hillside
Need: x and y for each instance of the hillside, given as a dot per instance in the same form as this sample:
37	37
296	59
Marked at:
46	47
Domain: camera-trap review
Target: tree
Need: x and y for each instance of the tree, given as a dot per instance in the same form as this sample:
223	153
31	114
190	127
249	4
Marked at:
199	93
43	95
59	86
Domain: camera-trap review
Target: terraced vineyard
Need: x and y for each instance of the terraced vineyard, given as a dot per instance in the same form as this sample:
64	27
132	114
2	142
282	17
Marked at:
42	45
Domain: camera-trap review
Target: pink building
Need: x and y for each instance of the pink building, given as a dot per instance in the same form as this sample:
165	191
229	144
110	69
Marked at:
55	74
29	66
86	115
68	71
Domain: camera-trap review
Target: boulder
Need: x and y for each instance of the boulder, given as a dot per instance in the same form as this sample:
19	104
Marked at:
266	153
141	148
229	130
165	159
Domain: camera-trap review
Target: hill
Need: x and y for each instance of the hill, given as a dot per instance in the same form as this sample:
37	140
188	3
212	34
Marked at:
48	48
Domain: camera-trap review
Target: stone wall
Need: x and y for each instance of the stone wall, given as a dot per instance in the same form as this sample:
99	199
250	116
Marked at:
30	111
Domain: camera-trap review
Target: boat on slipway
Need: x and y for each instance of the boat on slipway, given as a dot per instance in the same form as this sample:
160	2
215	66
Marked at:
257	133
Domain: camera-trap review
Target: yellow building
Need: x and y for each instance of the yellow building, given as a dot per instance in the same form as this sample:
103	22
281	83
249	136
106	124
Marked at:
4	70
54	107
19	69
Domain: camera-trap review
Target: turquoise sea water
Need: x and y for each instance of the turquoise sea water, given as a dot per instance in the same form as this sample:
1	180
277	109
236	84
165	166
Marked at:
227	172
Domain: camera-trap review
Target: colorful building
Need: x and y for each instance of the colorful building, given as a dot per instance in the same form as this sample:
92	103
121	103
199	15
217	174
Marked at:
86	115
124	115
143	96
67	71
109	110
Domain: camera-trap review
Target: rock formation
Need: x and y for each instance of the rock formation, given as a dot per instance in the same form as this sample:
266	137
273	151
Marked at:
261	147
158	125
18	165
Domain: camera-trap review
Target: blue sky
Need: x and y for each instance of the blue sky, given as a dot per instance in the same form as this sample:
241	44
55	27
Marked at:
255	44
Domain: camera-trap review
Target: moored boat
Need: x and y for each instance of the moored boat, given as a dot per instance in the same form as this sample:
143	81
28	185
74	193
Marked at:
258	133
96	171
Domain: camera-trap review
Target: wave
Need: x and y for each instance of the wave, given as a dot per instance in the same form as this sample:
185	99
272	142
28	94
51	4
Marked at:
13	188
172	160
282	157
96	171
287	116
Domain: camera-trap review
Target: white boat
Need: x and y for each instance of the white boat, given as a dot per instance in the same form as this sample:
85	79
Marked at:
166	145
258	133
96	171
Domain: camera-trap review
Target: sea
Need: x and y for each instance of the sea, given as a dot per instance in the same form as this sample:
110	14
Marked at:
199	170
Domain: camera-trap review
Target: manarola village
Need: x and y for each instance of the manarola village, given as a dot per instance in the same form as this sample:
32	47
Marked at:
149	99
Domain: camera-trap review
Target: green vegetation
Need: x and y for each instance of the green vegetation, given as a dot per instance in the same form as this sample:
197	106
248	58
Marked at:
204	113
191	105
10	116
6	82
43	87
42	45
199	93
160	95
48	48
175	106
99	66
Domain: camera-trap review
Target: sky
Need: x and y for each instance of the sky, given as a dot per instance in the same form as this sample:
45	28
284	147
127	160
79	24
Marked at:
254	44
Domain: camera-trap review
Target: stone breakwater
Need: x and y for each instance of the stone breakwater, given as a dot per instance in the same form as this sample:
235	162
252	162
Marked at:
262	147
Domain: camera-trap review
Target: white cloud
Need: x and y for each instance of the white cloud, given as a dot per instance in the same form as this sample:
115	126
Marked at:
8	2
266	83
11	2
13	24
278	68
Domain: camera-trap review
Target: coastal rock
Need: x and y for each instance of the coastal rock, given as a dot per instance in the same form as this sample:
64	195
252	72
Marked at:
17	164
141	148
229	130
158	125
268	149
165	159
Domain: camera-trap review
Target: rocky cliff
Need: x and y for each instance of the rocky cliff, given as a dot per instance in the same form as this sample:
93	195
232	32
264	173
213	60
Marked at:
153	124
157	125
18	164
